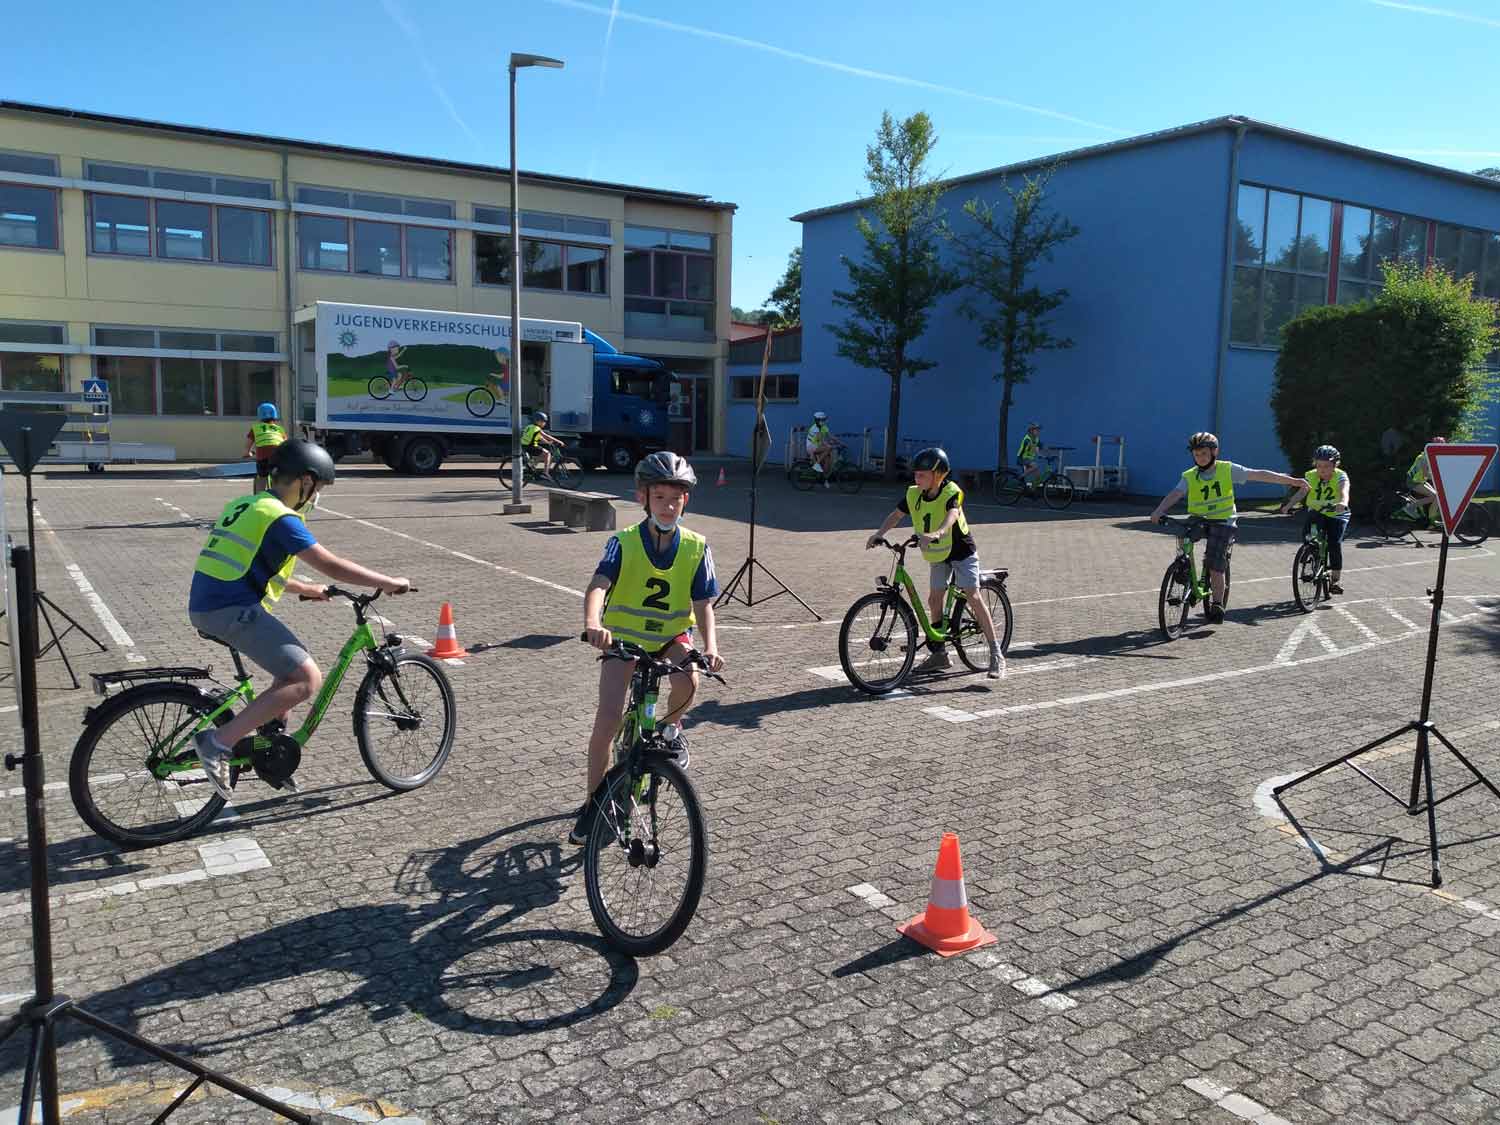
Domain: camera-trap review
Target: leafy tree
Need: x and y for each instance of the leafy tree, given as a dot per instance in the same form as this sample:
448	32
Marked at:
1489	173
1411	359
998	256
756	316
901	275
786	299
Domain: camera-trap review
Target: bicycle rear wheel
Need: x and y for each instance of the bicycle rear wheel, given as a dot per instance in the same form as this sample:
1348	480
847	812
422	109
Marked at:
646	857
968	637
878	642
109	776
1057	491
505	470
1386	516
480	402
1175	600
1474	528
803	476
1009	485
1309	578
404	721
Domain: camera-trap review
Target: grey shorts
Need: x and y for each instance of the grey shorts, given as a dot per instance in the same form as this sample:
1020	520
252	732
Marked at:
965	574
1221	536
257	634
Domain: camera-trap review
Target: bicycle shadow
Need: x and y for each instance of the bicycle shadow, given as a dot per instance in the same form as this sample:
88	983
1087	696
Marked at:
457	960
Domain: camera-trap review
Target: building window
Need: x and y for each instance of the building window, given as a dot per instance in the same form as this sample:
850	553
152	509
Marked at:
28	214
186	385
121	225
244	236
40	370
184	230
175	230
1282	252
669	283
545	264
541	264
587	266
779	388
380	249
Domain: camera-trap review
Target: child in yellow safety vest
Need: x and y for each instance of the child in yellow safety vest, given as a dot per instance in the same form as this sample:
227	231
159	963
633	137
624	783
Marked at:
654	583
262	440
936	507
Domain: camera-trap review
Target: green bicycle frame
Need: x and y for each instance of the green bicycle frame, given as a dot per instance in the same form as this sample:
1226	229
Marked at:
950	599
1197	583
175	761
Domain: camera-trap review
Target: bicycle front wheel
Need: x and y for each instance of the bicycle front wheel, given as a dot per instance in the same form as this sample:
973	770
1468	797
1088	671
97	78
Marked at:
110	778
567	474
1474	528
404	721
1386	516
646	858
848	478
803	476
1057	491
1009	485
878	642
968	637
1175	600
1309	581
414	389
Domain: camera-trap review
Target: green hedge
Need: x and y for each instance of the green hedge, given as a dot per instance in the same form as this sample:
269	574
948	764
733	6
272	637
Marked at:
1411	361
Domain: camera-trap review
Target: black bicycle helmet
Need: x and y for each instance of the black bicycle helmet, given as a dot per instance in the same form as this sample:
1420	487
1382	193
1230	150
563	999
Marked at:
934	459
665	467
1203	440
540	418
296	457
1326	453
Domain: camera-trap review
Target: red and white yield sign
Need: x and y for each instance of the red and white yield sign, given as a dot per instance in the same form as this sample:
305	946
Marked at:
1456	473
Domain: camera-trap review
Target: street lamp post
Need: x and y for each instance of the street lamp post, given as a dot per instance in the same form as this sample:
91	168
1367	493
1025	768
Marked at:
517	61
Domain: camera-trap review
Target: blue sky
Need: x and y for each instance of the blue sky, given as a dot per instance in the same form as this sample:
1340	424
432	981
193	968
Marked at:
770	105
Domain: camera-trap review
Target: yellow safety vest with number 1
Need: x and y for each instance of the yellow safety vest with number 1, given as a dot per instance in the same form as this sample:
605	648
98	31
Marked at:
236	539
1212	499
927	514
649	605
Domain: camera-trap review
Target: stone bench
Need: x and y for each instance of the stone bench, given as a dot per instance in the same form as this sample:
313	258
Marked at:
592	511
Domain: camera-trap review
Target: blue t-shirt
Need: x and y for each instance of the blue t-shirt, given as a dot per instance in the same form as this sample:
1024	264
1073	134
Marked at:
705	582
286	537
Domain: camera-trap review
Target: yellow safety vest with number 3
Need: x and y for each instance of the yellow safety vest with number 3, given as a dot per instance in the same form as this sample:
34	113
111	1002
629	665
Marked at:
1323	494
649	605
1213	499
228	553
927	514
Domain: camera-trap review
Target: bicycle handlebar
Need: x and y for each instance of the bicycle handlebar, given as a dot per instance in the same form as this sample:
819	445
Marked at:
898	547
624	650
360	600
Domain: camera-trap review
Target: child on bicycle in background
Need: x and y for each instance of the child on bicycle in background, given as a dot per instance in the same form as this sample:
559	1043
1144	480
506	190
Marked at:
262	440
397	373
534	442
654	583
1419	482
1327	508
821	445
1030	451
243	569
1209	488
936	507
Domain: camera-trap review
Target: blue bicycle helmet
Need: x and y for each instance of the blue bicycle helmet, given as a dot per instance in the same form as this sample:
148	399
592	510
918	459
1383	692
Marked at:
266	412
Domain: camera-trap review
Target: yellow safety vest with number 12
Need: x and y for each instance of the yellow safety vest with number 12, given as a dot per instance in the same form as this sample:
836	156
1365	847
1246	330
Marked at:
228	553
927	514
649	605
267	434
1214	499
1323	494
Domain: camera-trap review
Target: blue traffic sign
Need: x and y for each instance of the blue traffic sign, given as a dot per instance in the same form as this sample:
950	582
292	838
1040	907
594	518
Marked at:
95	390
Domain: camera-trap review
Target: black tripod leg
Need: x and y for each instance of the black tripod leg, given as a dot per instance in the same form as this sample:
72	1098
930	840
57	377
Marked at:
1432	836
785	589
33	1068
73	622
1365	749
41	605
1468	765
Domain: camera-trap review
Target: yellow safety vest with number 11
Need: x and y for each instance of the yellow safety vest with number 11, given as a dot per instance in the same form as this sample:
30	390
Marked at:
1212	499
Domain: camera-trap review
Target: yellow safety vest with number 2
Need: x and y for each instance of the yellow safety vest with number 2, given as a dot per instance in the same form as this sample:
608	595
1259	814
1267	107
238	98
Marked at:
927	514
649	605
1323	494
228	553
1212	499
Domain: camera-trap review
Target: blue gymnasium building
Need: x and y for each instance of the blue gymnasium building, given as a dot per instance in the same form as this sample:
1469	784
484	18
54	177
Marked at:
1197	244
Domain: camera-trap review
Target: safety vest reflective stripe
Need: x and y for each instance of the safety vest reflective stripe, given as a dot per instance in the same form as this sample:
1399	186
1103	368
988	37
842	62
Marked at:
648	641
267	434
217	557
228	555
648	603
651	613
948	894
221	533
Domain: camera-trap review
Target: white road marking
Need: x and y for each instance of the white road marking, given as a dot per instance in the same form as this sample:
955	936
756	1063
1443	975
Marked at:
871	896
1365	631
112	626
1024	983
1237	1104
1307	627
1385	604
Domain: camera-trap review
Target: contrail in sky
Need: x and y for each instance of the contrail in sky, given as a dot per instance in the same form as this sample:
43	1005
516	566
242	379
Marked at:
1445	13
414	37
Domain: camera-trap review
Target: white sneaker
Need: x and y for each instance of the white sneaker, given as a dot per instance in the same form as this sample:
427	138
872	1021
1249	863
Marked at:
817	467
995	661
215	761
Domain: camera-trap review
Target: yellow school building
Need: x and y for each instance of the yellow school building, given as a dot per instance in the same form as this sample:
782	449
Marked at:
172	262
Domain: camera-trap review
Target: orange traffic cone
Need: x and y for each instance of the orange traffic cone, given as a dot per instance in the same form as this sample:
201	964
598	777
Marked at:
447	637
945	926
721	475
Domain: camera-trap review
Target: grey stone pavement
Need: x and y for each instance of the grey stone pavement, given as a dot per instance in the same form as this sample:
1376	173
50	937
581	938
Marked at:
1170	944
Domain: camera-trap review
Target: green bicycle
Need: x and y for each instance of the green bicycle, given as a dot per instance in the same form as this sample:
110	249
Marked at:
878	639
135	776
1183	587
647	828
1312	580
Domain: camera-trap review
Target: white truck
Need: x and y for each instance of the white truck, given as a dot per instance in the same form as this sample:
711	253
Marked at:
416	385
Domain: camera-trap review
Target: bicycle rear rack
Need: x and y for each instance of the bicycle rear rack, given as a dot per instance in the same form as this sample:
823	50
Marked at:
103	681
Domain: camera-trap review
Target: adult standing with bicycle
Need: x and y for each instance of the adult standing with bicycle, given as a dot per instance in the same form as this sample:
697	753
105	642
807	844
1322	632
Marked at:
1209	488
1327	508
243	569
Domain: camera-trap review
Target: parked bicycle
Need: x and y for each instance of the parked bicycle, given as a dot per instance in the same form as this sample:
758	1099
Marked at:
135	776
848	476
413	387
1399	512
1054	487
1183	586
878	640
647	853
566	471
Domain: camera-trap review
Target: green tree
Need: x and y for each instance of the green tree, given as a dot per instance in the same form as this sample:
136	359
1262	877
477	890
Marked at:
785	301
901	276
998	257
1409	359
1488	173
751	316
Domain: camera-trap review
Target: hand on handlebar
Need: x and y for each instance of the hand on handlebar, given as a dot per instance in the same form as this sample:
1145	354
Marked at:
396	586
599	638
876	540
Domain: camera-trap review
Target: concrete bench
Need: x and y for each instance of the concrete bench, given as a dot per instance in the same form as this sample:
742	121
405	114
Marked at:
592	511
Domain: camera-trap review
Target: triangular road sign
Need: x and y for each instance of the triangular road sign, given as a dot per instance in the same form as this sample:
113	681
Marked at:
27	435
1456	473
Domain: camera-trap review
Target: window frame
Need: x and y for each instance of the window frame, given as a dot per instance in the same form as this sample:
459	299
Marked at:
403	220
56	194
152	227
773	378
217	357
564	246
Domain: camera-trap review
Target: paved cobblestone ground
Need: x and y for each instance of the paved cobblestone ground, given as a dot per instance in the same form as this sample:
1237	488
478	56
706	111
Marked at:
1169	946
